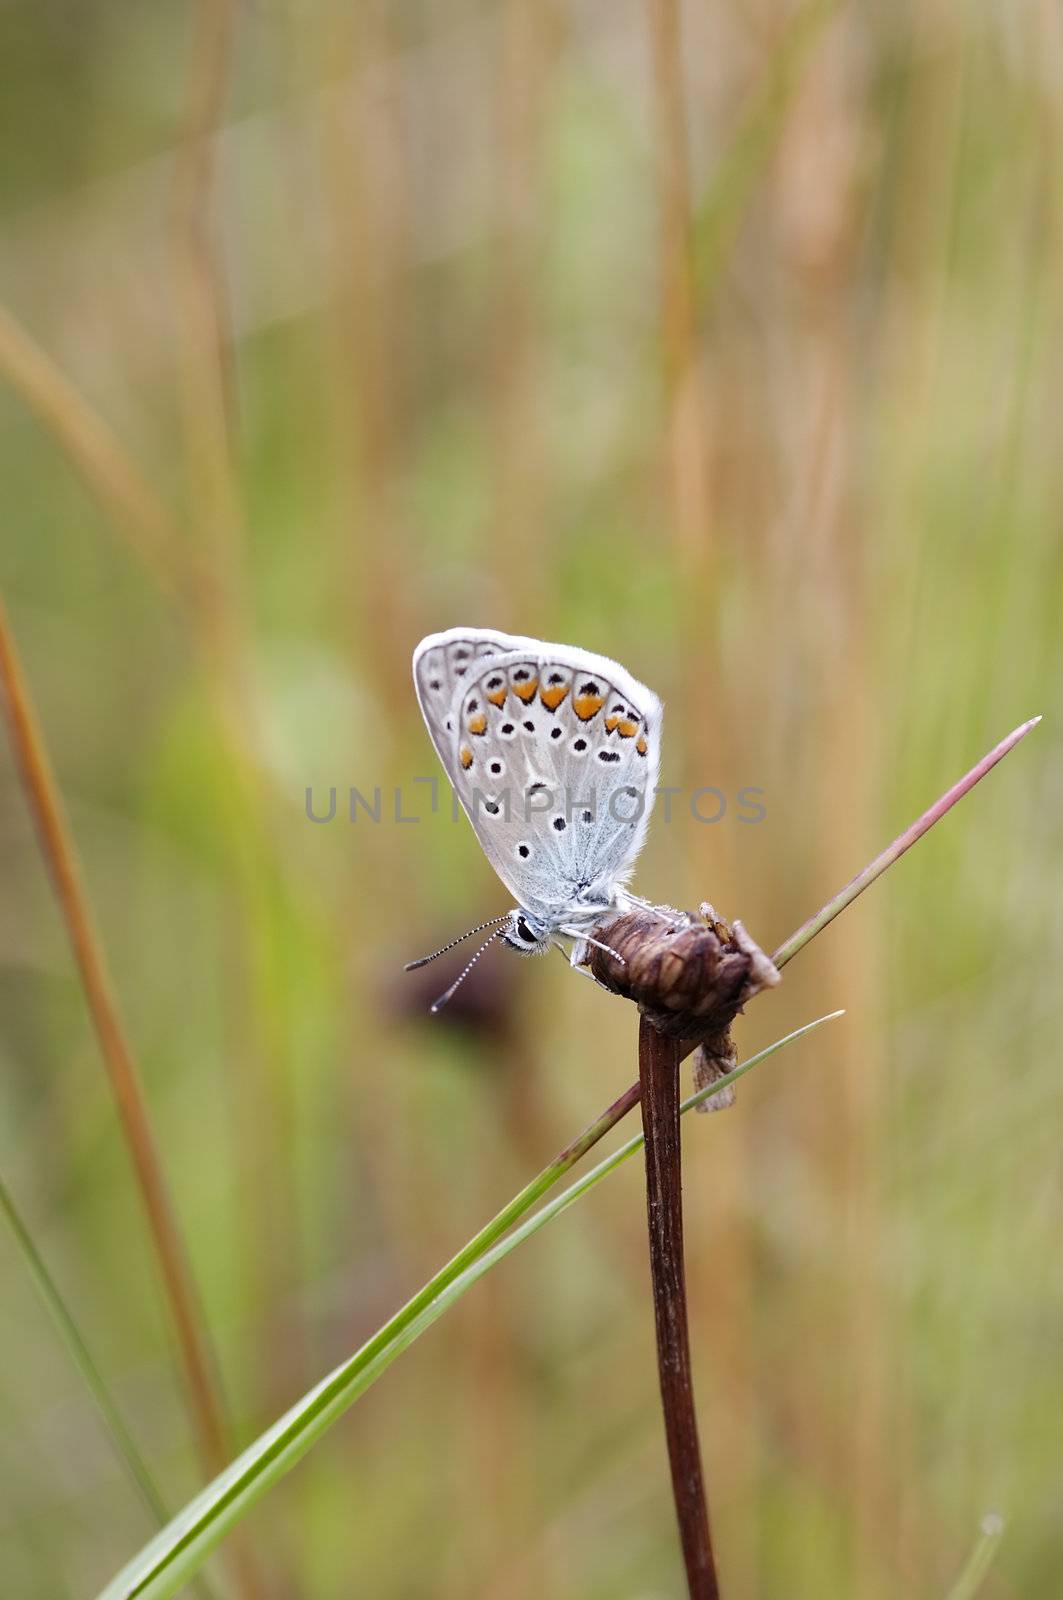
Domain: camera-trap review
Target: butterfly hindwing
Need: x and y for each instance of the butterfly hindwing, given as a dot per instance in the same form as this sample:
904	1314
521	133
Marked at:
554	753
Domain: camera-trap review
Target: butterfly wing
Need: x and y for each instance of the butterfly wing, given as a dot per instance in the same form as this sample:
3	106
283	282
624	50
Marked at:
554	753
441	665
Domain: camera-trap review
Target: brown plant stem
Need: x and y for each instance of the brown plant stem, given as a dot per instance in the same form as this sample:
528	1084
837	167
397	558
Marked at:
207	386
692	976
60	856
659	1080
94	451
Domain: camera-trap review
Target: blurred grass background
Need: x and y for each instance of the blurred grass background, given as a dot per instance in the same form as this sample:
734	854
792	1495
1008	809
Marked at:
726	342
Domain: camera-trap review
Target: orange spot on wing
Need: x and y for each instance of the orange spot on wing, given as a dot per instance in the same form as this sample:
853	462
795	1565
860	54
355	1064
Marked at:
587	706
497	697
552	697
478	723
526	691
641	746
626	728
465	758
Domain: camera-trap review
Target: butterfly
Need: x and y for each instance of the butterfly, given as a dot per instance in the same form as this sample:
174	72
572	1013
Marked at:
554	754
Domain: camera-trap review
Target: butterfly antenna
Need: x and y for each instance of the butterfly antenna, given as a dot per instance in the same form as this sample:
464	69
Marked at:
437	1005
411	966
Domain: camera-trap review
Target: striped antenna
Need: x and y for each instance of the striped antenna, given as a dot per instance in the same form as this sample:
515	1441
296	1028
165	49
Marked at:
460	979
411	966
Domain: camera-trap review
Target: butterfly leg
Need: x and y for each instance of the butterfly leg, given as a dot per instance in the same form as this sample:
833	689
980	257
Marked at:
576	961
583	940
585	972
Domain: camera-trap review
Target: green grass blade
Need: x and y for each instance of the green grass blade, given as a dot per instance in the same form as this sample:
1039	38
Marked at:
980	1559
175	1554
72	1337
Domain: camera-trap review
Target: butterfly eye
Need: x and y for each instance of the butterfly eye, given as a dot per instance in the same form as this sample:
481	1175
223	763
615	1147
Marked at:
524	932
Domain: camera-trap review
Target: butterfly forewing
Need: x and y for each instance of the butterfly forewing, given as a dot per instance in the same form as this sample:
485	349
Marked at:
442	663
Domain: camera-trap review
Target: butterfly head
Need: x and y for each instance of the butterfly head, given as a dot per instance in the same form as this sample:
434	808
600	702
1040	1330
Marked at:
525	933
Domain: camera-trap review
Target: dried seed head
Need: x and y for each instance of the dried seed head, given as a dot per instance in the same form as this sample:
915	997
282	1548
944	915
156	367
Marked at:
689	975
